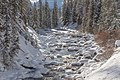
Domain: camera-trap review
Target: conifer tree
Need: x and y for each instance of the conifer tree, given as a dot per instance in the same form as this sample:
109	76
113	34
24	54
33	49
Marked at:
40	14
54	22
64	11
74	14
35	17
9	38
46	15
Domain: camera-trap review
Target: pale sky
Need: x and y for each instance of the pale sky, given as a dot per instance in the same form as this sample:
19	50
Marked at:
34	0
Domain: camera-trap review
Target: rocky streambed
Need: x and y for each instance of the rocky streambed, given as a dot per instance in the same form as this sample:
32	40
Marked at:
69	55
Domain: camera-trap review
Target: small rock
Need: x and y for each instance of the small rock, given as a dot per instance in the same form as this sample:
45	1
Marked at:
63	75
58	49
71	49
73	69
83	61
68	67
69	71
49	74
59	56
78	58
76	64
79	72
65	61
80	54
61	69
76	55
52	57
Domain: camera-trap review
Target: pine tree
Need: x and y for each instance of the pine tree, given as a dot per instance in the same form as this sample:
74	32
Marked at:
9	38
30	17
85	15
7	35
35	17
54	20
89	27
23	8
40	14
64	11
46	15
74	14
79	12
15	38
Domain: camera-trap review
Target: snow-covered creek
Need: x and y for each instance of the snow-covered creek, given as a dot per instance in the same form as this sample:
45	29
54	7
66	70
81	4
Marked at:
62	55
69	55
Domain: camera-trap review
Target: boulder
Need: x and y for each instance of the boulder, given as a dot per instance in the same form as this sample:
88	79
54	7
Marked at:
117	43
59	56
61	69
72	49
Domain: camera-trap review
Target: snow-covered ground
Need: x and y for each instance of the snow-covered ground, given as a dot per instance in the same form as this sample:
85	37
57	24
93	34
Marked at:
109	71
69	54
28	63
60	54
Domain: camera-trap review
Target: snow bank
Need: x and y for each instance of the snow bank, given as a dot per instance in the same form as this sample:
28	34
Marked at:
29	62
109	71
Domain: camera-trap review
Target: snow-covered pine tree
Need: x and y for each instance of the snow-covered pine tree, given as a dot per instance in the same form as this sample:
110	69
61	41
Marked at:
40	12
30	17
89	27
74	14
14	35
107	14
6	59
63	11
46	15
23	8
85	15
35	17
67	12
54	20
79	12
117	8
8	30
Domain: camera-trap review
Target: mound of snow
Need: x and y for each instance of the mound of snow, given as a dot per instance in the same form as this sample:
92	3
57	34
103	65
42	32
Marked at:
109	71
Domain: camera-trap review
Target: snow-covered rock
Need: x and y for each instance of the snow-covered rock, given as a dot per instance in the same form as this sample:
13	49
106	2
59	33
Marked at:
117	43
109	71
82	61
76	64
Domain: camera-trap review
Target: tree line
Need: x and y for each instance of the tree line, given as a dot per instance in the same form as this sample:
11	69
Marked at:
9	38
92	15
13	12
43	16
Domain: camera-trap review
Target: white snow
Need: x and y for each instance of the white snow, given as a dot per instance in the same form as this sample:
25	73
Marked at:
28	56
117	43
109	71
62	51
